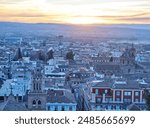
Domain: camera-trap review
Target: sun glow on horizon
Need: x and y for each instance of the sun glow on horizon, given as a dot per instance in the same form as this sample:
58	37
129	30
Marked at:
84	20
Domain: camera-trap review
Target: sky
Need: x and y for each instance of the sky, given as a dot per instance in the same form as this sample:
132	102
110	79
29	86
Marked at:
76	11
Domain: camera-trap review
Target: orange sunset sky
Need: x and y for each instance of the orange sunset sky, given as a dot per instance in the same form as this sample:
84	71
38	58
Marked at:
76	11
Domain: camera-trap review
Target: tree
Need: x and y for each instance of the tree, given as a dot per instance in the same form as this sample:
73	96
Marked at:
41	55
70	55
18	55
111	59
50	55
147	98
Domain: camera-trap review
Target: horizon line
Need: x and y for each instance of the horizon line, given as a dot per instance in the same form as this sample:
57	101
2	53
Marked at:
75	24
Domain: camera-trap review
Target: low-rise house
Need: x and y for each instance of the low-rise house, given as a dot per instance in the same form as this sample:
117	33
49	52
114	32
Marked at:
60	100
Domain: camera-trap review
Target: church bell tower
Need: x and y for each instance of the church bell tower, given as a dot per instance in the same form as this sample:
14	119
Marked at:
37	95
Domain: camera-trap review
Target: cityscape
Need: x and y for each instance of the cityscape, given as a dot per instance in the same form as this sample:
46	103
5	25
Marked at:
78	64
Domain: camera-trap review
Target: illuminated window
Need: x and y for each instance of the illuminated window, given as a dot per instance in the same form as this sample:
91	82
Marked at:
127	93
136	93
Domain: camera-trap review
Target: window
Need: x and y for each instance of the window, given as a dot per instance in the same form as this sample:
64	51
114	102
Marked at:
143	100
56	108
52	108
123	61
98	100
110	99
63	109
136	100
136	93
39	87
96	91
109	107
117	107
117	93
127	100
48	107
34	103
39	102
34	87
66	108
59	108
129	70
98	108
127	93
70	108
118	99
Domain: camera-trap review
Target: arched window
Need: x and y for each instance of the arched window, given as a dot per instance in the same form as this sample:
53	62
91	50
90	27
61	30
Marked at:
40	87
39	102
34	103
37	88
128	62
34	86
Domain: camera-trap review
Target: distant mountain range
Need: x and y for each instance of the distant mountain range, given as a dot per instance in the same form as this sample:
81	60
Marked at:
127	31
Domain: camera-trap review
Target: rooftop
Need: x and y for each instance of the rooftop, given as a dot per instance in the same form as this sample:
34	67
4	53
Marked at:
18	87
60	96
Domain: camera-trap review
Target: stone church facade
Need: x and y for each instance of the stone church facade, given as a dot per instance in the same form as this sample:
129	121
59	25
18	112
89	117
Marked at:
125	64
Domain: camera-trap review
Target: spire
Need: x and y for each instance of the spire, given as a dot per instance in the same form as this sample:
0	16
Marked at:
132	45
11	89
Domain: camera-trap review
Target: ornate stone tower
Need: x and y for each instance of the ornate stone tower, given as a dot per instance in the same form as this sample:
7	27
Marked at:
36	96
128	57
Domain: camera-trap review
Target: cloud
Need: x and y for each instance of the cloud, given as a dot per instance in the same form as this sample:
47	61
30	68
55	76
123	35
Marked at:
145	14
134	18
137	20
141	14
11	1
62	10
23	15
